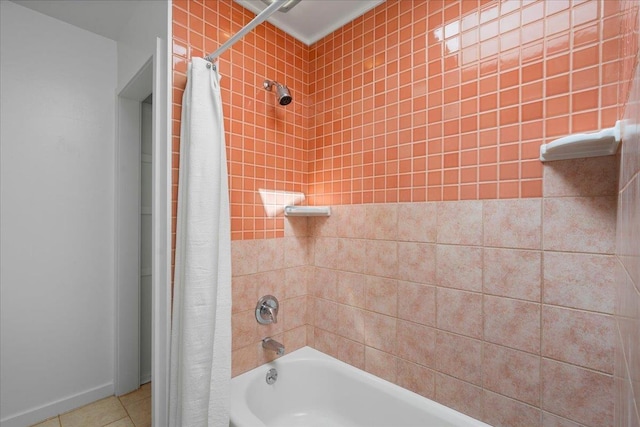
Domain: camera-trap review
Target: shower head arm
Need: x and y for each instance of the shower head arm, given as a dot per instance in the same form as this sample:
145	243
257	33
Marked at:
282	92
268	84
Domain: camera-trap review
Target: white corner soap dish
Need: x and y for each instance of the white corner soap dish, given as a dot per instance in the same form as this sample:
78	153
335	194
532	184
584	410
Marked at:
307	211
603	143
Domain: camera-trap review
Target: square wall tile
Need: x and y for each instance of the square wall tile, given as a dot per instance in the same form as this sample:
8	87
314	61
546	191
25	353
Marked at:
459	267
244	293
459	357
381	221
584	281
325	342
459	312
295	339
513	223
580	224
325	253
380	332
294	312
272	283
459	395
512	323
351	323
243	359
270	255
350	289
296	226
382	258
349	220
579	337
416	378
244	255
351	352
500	411
460	223
351	255
417	222
381	295
297	251
297	281
416	343
417	262
577	394
324	284
511	373
512	273
381	364
243	329
594	176
326	315
417	303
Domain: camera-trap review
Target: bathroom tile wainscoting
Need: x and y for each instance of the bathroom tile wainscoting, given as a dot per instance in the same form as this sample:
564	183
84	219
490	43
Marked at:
501	309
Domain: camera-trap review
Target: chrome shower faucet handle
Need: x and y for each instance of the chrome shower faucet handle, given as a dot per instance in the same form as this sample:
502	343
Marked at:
267	310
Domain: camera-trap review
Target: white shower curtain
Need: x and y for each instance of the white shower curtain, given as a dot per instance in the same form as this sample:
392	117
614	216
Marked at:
201	323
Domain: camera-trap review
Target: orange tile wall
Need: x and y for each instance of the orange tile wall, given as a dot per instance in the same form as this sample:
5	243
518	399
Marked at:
266	143
438	100
413	101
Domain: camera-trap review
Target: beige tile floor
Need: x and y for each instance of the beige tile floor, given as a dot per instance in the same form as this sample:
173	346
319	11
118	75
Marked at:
130	410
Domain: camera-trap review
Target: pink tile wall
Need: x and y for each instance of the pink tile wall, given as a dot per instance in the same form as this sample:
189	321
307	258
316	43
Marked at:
279	267
496	308
627	307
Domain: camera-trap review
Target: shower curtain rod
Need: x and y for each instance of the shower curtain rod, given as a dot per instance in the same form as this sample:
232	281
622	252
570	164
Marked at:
259	19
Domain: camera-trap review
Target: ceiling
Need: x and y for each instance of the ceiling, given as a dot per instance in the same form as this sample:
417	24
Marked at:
308	21
311	20
104	17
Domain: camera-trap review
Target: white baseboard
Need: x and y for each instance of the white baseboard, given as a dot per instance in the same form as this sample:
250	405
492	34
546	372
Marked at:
57	407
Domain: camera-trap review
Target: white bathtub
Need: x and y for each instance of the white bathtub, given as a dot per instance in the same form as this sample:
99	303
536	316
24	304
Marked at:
316	390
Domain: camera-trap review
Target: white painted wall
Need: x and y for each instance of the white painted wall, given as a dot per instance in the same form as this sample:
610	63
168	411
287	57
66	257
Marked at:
57	85
137	41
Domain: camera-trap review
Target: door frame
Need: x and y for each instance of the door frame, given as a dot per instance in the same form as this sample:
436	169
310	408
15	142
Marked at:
151	78
127	228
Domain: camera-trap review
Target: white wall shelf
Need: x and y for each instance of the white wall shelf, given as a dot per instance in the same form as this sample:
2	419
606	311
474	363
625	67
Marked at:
307	211
603	143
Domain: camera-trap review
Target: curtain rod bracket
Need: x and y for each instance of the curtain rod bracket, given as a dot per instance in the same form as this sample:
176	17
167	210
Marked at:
259	19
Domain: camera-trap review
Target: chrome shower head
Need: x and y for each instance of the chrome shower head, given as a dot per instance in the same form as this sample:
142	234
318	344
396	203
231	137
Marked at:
282	92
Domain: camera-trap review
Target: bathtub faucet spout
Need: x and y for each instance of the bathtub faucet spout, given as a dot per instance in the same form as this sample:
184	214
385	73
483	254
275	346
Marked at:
271	344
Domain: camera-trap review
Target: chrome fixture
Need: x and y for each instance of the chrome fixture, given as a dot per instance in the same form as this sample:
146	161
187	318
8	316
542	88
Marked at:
282	92
272	376
273	345
286	7
267	310
259	19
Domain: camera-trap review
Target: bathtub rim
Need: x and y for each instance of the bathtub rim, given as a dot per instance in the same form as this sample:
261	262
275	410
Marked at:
245	417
